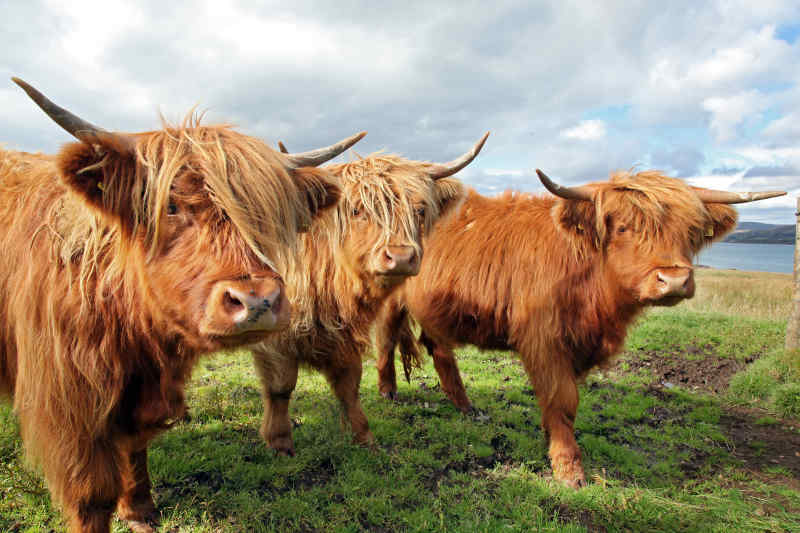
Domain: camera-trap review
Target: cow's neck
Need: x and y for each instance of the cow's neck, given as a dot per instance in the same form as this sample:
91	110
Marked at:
595	306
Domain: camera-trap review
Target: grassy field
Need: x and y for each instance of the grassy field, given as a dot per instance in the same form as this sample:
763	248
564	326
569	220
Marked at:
695	428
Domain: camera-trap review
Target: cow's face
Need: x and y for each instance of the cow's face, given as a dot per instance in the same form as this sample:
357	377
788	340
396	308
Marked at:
388	205
648	229
209	216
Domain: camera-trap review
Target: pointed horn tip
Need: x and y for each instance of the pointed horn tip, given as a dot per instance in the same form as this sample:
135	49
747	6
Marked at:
350	141
480	143
769	194
24	85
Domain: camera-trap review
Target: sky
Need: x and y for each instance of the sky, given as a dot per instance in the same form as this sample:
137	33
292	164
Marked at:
705	91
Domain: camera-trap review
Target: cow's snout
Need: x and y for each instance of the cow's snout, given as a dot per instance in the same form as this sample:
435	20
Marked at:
675	282
236	307
399	260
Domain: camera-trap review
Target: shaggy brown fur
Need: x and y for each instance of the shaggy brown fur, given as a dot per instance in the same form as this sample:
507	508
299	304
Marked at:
108	261
556	280
387	201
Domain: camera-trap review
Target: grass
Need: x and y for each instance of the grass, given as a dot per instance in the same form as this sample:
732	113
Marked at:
659	458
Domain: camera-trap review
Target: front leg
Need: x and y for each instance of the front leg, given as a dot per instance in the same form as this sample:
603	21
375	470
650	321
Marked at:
557	392
87	481
278	374
136	505
344	376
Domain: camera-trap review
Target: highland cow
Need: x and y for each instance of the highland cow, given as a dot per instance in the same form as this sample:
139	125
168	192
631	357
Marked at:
354	257
125	258
556	279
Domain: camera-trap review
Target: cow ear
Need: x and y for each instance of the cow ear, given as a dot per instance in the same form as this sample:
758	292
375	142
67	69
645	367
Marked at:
722	220
448	193
578	219
320	188
103	176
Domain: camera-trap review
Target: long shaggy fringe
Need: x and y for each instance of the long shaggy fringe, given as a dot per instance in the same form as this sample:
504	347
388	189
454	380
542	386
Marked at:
387	190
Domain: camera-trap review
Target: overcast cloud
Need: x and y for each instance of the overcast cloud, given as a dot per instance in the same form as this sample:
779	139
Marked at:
708	91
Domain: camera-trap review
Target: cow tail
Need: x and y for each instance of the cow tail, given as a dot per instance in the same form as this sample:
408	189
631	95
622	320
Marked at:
409	350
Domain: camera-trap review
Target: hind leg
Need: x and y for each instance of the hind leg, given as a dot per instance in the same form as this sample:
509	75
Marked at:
444	360
278	375
386	337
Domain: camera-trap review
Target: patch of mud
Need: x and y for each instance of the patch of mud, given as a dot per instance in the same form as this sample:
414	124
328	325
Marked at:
761	446
710	373
316	476
568	515
473	465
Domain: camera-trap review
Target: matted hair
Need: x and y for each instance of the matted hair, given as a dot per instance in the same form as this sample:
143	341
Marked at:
386	189
245	179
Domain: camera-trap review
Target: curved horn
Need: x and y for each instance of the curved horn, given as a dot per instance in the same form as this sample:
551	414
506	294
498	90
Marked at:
570	193
315	158
711	196
76	126
442	170
282	148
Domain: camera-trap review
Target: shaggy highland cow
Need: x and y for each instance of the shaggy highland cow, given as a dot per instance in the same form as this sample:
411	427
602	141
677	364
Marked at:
556	279
354	257
125	258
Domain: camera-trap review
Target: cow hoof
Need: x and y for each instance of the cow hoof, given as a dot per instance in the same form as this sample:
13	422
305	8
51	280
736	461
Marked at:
282	446
141	518
366	439
570	473
283	452
390	395
467	409
142	526
574	483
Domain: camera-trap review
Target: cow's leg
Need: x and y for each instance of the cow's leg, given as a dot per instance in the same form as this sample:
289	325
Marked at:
557	392
444	360
386	331
136	505
345	380
88	481
278	375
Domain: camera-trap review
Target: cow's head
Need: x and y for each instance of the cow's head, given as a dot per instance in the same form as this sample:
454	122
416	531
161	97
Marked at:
647	227
207	218
388	204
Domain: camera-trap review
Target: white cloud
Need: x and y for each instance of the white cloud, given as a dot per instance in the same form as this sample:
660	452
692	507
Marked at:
501	172
784	129
426	80
729	112
586	130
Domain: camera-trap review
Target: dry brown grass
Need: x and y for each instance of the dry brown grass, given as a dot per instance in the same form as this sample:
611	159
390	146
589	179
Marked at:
763	295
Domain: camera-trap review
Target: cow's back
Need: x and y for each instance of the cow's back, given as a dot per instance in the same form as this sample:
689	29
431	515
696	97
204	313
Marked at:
490	269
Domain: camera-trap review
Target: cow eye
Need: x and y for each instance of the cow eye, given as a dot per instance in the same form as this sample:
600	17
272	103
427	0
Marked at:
622	229
172	209
356	211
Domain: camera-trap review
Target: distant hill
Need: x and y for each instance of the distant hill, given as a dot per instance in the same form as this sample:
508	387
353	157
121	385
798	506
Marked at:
757	232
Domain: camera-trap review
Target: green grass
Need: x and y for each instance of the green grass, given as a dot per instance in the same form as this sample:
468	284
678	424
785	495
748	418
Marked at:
658	458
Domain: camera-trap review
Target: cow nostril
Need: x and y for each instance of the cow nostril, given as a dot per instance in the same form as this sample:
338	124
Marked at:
231	303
